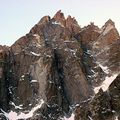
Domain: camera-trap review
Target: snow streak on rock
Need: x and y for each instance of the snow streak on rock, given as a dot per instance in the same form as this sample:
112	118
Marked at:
57	23
104	68
35	54
16	107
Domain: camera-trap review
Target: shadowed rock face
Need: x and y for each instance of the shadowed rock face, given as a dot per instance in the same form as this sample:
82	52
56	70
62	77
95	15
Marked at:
115	94
60	63
4	95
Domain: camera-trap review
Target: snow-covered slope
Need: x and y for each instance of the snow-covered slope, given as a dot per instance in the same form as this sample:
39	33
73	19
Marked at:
106	83
13	115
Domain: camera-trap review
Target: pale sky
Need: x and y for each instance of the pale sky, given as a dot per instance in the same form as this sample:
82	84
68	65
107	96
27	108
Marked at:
19	16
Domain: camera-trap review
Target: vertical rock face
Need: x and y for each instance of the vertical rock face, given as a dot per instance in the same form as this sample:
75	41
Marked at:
4	95
106	45
55	68
115	94
87	37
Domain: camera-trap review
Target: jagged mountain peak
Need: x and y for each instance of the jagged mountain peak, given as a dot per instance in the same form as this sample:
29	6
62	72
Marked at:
109	25
59	63
71	19
44	20
69	22
59	15
110	22
92	27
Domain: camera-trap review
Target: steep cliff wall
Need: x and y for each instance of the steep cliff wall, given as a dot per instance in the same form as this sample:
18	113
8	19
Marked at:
59	69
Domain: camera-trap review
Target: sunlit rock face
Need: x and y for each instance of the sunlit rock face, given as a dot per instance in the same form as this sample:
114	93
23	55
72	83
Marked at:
59	71
106	48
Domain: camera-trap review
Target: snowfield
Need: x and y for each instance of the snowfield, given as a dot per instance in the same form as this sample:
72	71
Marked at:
15	116
106	83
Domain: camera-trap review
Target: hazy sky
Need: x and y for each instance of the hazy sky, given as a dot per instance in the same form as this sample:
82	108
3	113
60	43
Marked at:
19	16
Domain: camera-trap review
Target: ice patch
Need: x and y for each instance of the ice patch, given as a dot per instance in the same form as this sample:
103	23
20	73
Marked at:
15	116
35	54
106	83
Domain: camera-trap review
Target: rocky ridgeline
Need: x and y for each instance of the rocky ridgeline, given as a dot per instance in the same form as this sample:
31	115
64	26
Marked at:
59	70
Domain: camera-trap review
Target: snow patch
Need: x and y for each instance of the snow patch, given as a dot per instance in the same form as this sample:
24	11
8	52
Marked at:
68	41
15	116
72	51
35	54
89	52
16	107
116	118
22	78
90	118
71	118
36	35
93	71
33	81
57	23
106	83
51	82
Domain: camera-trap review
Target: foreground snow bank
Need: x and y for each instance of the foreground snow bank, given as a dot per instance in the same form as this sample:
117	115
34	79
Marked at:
15	116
